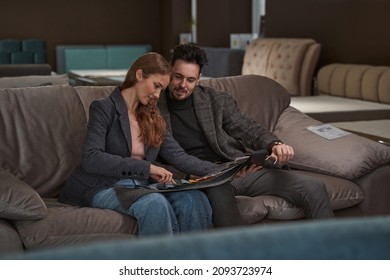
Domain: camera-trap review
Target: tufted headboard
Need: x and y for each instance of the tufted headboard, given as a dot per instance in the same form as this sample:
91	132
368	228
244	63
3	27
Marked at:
291	62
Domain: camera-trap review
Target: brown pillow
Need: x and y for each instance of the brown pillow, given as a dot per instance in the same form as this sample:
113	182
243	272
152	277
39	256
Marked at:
19	201
348	157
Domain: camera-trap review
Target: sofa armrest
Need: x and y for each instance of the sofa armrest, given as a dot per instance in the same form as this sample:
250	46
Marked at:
348	157
376	191
19	201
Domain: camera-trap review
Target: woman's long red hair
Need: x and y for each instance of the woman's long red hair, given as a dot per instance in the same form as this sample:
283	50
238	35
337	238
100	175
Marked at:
152	125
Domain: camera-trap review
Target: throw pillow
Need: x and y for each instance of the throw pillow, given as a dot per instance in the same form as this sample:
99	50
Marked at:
19	201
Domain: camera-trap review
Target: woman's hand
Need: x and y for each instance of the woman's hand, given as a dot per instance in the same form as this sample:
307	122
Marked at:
160	174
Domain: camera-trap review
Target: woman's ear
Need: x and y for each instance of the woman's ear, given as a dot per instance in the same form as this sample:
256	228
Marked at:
138	75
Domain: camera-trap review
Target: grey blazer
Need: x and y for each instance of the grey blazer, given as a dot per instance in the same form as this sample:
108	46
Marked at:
229	131
106	156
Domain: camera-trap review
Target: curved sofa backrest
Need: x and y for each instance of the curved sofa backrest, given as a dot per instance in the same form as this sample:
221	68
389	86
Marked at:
259	97
359	81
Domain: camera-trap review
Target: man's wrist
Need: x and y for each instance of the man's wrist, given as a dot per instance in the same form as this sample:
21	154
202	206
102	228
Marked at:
272	144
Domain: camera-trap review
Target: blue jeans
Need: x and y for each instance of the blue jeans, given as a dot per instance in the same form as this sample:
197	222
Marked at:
158	213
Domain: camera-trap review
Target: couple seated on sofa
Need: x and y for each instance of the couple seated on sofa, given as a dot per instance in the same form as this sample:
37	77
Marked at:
127	136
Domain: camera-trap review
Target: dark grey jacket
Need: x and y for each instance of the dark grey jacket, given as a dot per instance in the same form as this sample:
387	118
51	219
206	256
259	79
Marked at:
107	158
229	131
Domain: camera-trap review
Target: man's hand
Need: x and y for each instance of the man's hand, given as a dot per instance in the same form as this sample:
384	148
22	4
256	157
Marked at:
248	169
160	174
282	153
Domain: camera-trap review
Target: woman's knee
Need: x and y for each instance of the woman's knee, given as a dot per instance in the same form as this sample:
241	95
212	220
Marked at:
153	202
190	201
196	198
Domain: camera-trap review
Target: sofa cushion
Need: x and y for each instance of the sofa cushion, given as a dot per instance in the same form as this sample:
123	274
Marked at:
280	209
66	224
90	93
251	209
337	157
342	193
326	108
9	238
18	201
33	81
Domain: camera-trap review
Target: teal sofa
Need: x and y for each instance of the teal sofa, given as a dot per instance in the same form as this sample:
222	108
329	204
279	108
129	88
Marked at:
342	239
27	51
76	57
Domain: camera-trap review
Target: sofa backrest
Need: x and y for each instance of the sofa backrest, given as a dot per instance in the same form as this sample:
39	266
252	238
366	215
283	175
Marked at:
89	93
41	134
33	81
289	61
260	97
16	70
365	82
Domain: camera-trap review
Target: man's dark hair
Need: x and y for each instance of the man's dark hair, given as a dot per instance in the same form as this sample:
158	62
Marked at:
190	52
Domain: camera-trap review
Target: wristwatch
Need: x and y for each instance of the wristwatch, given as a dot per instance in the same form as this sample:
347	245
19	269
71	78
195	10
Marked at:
274	143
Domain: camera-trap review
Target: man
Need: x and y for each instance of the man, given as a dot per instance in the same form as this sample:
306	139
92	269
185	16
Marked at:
189	108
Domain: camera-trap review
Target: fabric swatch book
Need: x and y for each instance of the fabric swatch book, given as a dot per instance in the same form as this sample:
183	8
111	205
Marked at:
227	172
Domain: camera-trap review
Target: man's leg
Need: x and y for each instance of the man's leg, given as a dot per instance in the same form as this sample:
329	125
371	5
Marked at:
224	205
306	192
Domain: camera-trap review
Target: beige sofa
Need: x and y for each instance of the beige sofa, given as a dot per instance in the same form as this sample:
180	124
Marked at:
354	97
42	130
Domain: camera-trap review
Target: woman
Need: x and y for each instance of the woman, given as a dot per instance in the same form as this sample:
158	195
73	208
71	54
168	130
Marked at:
124	137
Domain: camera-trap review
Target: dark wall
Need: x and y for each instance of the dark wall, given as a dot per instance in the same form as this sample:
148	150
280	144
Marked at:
82	22
350	31
217	19
155	22
355	31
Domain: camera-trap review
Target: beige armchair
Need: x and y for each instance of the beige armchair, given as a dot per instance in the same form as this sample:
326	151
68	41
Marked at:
291	62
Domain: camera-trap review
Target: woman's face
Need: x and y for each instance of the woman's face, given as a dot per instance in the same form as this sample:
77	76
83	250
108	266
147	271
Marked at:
149	89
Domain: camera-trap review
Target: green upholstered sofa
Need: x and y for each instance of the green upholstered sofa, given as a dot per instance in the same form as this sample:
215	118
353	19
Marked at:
76	57
27	51
344	239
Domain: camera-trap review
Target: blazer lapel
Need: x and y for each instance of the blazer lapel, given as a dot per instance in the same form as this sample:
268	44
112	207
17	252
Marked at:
205	116
123	117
